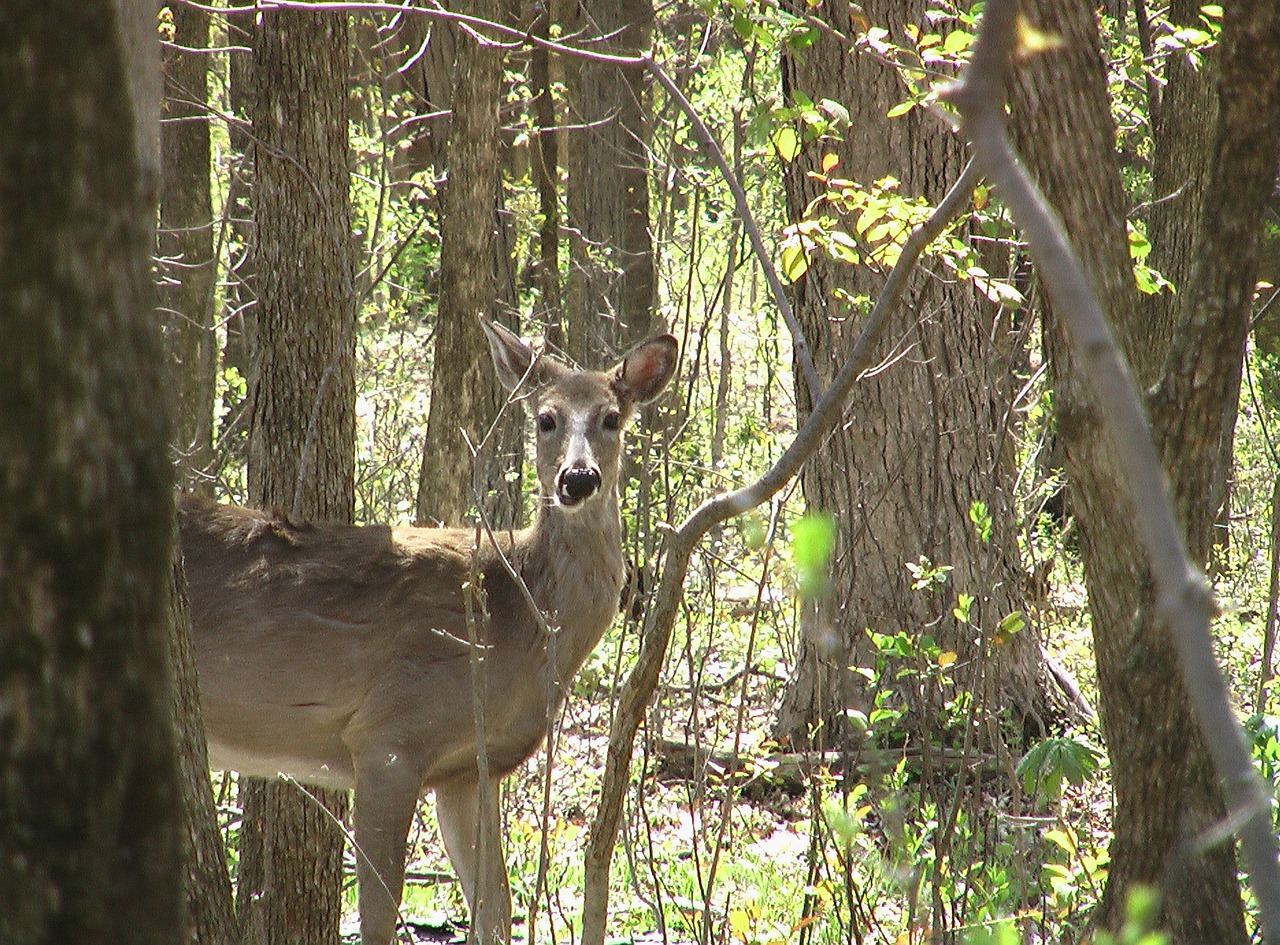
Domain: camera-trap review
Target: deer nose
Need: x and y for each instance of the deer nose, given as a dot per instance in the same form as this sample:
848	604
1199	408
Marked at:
578	483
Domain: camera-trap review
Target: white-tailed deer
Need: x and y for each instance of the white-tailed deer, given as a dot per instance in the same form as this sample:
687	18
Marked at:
340	654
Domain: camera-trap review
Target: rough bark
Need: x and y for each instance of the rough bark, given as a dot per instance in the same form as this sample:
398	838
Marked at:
89	815
611	289
210	918
465	395
1183	150
302	439
301	456
185	243
928	436
1196	407
1166	792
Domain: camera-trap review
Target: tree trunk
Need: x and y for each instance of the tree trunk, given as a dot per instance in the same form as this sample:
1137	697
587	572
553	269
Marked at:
465	395
210	916
612	286
1180	166
187	275
1183	139
302	439
89	814
1167	795
929	436
413	61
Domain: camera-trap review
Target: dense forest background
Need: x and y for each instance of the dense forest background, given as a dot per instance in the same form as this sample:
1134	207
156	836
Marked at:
924	693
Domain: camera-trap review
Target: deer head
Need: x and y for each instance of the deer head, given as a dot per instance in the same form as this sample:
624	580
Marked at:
580	415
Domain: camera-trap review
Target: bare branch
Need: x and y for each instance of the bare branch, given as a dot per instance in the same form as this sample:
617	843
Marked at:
1183	597
638	690
480	29
716	153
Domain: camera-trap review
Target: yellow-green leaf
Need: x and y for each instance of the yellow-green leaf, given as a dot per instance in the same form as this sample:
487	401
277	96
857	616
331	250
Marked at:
1033	40
787	143
957	41
813	538
795	262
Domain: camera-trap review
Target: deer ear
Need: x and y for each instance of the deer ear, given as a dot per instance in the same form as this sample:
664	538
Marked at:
512	358
645	370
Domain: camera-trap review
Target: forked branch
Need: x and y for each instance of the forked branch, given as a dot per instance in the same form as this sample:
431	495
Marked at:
638	690
481	30
1183	597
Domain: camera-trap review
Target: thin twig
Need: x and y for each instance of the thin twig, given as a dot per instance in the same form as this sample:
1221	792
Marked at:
716	153
640	685
1183	597
480	29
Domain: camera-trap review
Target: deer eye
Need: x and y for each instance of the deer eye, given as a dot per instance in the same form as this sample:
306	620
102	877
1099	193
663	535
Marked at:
612	420
546	422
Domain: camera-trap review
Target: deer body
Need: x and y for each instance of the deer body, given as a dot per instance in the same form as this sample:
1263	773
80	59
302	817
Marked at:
341	654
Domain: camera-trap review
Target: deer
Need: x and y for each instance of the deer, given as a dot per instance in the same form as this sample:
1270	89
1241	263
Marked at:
342	655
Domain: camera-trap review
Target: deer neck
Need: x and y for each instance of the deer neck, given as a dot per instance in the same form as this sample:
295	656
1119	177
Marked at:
577	577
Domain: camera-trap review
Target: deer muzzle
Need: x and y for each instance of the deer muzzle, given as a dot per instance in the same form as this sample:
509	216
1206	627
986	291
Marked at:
577	484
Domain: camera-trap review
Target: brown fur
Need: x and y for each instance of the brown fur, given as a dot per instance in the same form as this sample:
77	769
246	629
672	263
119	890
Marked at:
339	654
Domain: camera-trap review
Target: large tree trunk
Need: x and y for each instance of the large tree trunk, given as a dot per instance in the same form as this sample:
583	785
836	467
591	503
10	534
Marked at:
89	815
1166	791
465	395
612	287
186	243
928	437
302	439
210	916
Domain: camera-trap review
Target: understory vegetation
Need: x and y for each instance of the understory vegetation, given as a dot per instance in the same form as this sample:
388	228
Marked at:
984	829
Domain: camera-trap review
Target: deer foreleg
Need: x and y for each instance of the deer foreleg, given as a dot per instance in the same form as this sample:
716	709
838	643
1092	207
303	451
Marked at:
482	872
386	796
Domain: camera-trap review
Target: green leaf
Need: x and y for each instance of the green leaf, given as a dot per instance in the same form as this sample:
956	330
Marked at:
1043	769
1002	932
1150	281
980	515
834	110
1011	624
794	261
1193	37
843	247
1064	840
787	143
813	539
900	109
957	41
1001	293
1032	41
803	38
1139	245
